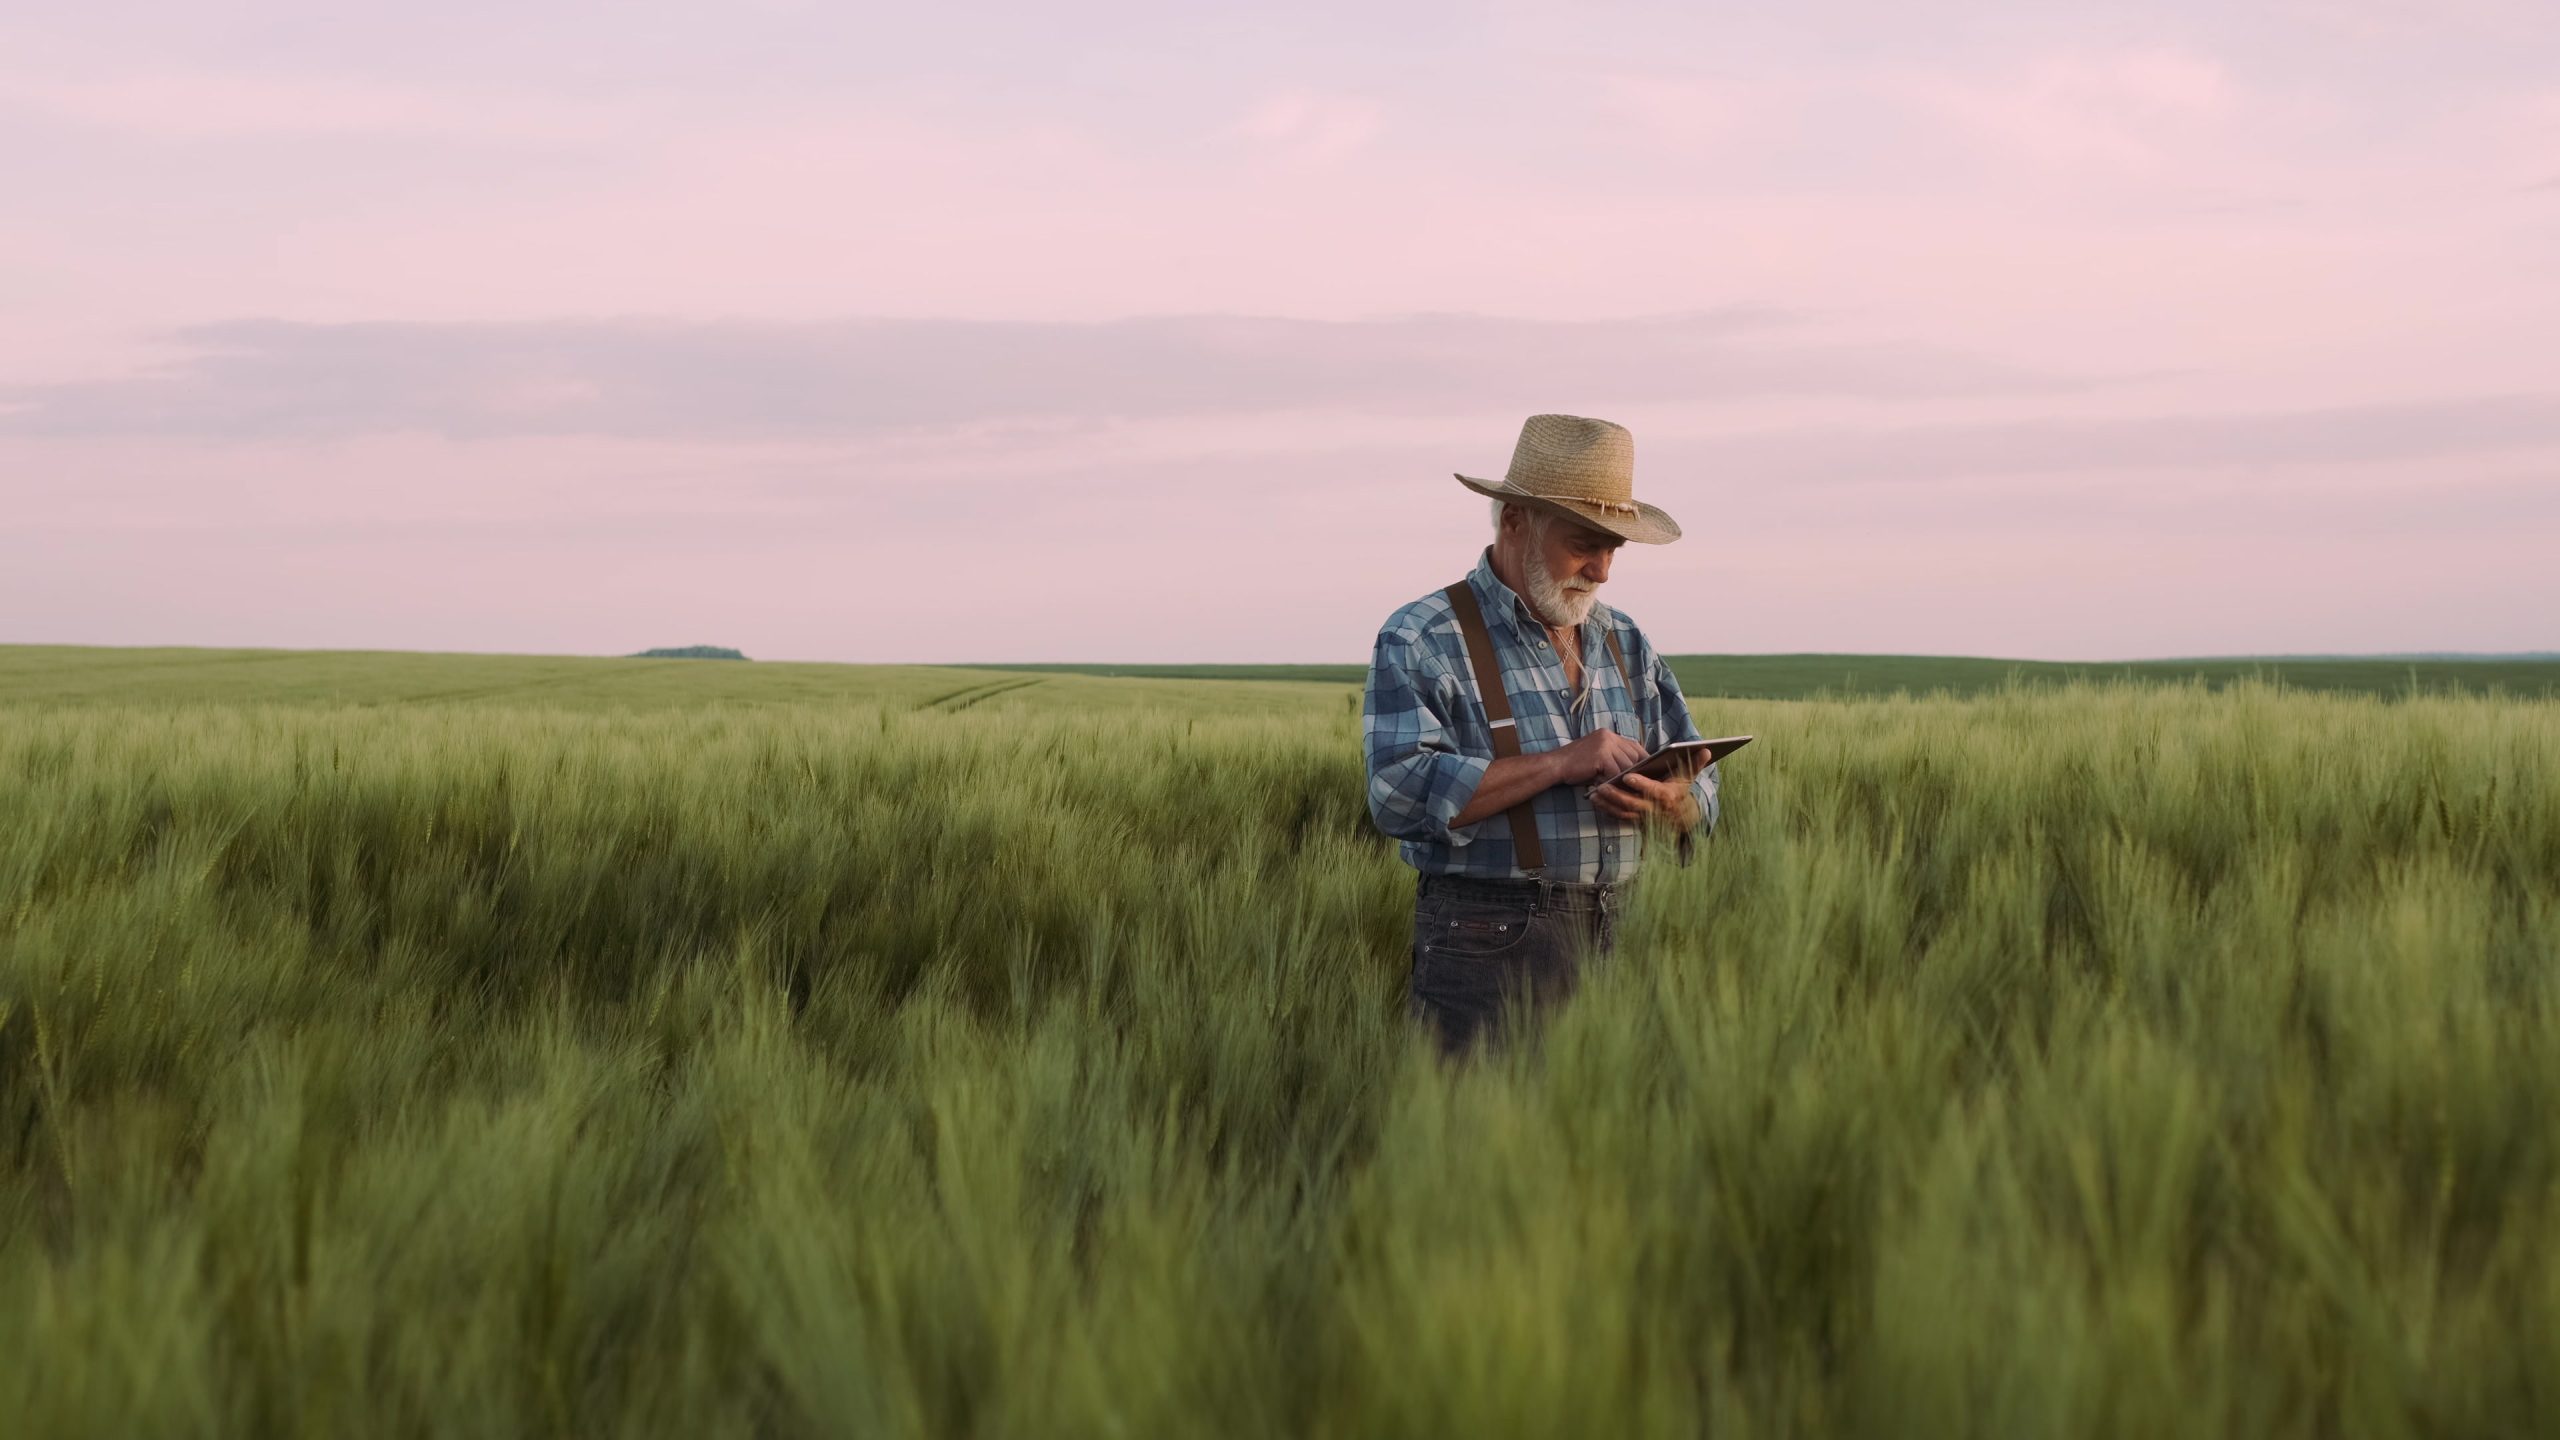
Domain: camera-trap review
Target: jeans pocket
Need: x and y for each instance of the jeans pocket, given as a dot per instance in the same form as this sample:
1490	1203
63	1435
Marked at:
1470	930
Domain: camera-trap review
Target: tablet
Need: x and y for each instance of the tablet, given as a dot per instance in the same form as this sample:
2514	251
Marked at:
1680	757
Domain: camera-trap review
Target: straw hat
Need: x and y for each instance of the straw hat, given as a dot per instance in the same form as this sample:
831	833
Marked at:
1584	470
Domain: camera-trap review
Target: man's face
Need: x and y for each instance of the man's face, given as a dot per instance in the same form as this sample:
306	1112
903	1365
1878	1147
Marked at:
1564	562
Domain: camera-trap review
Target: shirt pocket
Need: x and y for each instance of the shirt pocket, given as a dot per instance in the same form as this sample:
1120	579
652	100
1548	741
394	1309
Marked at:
1545	726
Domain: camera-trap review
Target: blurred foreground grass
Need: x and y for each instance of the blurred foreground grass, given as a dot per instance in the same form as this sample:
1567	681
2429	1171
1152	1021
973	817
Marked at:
2099	1061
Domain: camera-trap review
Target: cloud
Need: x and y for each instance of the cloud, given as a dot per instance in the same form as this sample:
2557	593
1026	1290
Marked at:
1312	127
746	380
187	104
2335	435
2128	110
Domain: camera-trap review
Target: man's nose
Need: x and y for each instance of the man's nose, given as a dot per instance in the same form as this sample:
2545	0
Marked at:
1596	569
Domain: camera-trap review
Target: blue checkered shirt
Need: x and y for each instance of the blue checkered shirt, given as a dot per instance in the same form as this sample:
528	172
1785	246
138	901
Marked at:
1429	746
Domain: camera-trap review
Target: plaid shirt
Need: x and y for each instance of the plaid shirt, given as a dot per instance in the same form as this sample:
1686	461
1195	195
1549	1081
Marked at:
1429	747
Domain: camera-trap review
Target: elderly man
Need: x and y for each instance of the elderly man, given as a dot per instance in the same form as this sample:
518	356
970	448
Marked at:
1495	706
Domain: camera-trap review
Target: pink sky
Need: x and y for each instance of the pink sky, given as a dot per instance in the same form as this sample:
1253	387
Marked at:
1153	332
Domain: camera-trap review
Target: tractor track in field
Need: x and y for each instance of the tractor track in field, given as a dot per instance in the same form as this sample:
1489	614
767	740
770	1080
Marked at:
961	699
510	689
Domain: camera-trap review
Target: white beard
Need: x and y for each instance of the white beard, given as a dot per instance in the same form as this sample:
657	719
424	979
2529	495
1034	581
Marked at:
1566	605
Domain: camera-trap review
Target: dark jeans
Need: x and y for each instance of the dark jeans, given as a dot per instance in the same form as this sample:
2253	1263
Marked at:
1487	950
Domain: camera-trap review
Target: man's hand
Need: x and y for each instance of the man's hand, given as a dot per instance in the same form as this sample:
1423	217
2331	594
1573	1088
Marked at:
1636	798
1515	778
1595	756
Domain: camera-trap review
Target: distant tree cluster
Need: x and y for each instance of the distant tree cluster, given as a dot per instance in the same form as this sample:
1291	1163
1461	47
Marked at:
692	652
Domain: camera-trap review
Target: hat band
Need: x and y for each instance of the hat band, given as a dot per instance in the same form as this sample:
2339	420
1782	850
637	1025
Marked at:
1611	507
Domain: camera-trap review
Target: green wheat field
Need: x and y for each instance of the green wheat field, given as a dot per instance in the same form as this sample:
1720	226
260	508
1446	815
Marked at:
437	1045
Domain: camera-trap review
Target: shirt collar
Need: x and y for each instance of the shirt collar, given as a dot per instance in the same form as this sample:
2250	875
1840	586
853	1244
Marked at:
1500	599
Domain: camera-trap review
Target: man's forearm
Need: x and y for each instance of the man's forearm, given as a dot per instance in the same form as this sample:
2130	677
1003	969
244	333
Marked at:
1512	779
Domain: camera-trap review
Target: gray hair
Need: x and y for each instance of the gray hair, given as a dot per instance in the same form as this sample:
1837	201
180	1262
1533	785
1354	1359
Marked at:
1537	518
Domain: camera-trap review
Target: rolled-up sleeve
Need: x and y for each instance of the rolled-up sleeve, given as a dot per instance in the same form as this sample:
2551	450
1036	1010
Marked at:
1418	780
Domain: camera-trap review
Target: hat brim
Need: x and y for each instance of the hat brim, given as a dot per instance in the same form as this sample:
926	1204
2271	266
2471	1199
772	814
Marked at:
1650	525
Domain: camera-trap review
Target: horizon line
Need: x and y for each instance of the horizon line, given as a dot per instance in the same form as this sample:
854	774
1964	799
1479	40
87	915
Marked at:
2526	656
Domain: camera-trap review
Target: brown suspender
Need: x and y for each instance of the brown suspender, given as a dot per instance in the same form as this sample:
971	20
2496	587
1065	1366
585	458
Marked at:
1531	855
1526	851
